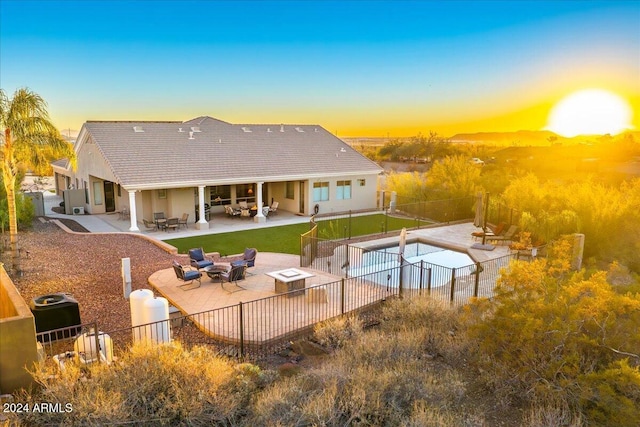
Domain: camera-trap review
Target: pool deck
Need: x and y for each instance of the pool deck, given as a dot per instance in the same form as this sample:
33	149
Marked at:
456	237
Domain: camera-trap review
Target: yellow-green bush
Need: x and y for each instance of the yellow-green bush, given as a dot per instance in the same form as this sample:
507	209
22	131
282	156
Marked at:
548	331
611	397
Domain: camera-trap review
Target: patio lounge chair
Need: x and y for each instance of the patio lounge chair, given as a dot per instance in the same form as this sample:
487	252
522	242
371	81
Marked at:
249	257
160	220
231	211
188	275
150	225
183	220
235	273
198	259
507	236
273	209
172	224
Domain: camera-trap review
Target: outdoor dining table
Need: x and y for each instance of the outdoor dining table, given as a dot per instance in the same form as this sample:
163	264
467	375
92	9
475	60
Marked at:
161	223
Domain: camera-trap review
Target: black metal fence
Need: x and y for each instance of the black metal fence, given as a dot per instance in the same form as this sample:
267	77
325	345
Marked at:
497	213
261	327
437	210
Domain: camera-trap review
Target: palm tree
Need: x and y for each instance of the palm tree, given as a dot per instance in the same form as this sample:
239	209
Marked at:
27	136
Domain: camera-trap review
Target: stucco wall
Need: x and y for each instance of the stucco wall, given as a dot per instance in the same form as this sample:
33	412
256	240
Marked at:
18	347
362	197
181	200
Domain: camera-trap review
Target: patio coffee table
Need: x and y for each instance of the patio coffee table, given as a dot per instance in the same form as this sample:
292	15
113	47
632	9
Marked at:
213	271
289	280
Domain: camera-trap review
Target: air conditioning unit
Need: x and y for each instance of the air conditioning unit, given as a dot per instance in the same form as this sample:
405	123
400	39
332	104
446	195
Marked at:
78	210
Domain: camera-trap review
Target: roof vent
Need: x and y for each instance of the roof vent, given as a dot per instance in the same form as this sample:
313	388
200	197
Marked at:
181	130
138	129
195	128
281	128
316	130
343	150
246	129
191	135
300	130
268	129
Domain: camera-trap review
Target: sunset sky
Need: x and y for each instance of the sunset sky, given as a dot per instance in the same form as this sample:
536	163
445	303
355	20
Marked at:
357	68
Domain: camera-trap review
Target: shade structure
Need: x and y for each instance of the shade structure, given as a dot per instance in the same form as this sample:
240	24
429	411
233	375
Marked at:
478	220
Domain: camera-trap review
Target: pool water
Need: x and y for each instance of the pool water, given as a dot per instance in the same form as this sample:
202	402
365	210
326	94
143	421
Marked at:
439	259
417	251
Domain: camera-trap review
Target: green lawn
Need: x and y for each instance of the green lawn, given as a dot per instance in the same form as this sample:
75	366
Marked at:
286	238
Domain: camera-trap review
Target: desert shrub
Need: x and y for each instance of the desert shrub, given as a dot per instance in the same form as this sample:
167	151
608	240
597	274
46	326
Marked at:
548	330
337	332
439	323
555	412
159	385
378	378
427	416
611	397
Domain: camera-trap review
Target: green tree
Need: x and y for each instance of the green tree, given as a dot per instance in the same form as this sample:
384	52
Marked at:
27	135
455	177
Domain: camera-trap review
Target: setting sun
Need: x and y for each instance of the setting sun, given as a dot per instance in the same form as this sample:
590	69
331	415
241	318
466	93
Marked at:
590	112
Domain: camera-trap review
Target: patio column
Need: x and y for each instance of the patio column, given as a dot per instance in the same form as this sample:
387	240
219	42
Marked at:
132	210
259	215
202	223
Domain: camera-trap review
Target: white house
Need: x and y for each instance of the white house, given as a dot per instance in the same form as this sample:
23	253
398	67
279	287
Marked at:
178	167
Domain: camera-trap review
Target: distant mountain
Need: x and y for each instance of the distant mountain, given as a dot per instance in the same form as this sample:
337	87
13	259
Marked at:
526	138
521	137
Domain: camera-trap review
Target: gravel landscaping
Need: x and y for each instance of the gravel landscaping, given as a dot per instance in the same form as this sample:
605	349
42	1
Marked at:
87	266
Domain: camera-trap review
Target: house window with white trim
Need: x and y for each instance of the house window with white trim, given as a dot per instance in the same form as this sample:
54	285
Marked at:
320	191
343	191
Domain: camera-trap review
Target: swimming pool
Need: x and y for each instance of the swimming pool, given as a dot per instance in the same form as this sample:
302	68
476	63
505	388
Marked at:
381	265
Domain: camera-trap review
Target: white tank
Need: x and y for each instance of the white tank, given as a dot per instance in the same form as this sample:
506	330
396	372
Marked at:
136	303
156	311
85	347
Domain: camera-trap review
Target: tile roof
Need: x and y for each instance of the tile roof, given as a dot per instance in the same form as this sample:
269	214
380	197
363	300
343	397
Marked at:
209	151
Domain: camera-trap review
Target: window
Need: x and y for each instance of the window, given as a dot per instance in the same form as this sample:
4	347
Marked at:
162	193
320	191
220	194
245	192
119	191
344	190
290	190
97	193
362	182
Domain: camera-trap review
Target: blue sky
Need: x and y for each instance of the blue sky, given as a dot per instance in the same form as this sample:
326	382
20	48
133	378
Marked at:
357	68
